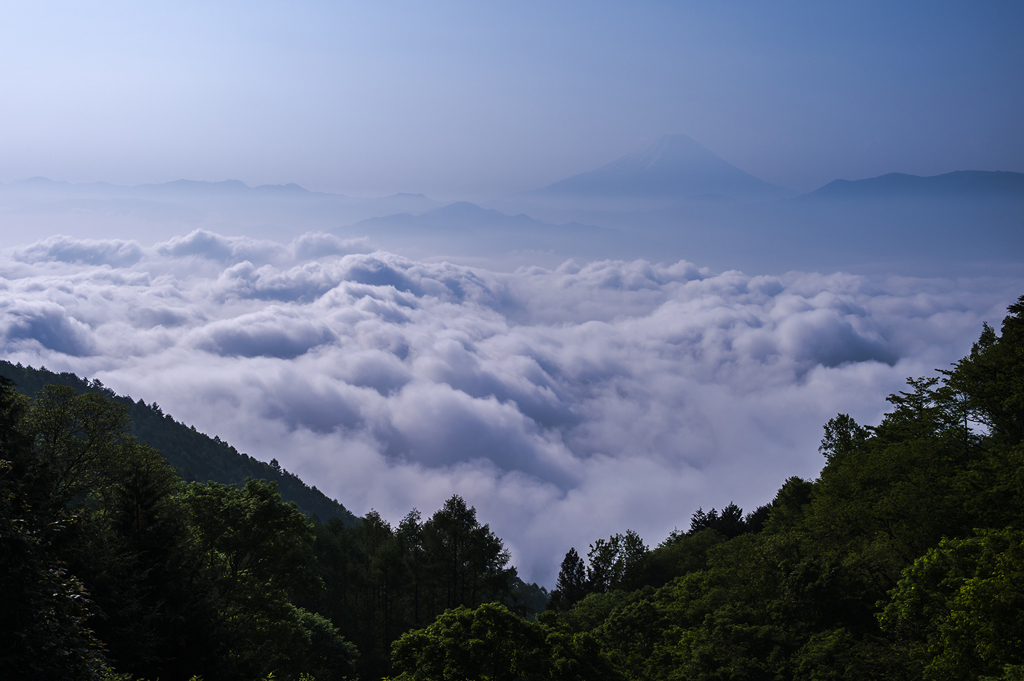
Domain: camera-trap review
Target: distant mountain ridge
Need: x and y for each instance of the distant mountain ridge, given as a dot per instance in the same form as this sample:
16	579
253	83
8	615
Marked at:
461	214
158	212
182	185
466	228
194	187
674	167
959	184
195	455
673	200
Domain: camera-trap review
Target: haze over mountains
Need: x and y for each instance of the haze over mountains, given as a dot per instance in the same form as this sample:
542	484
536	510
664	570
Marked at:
974	184
156	212
672	169
672	200
588	345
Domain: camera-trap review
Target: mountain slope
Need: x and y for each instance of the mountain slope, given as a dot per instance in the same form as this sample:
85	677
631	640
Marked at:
460	215
195	455
978	184
674	167
151	213
464	228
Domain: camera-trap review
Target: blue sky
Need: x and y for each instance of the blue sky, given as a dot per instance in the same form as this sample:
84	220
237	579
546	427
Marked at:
475	100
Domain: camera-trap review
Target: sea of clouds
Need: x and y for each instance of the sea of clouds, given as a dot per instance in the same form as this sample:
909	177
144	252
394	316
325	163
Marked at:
565	404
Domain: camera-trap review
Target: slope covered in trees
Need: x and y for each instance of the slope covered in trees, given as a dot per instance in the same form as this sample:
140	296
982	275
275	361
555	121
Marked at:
195	455
113	565
111	562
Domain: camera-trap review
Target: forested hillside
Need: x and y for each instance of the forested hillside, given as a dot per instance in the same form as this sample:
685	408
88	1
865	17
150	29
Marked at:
195	455
115	567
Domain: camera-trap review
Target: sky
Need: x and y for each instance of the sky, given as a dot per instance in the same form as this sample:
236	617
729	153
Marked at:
479	100
567	399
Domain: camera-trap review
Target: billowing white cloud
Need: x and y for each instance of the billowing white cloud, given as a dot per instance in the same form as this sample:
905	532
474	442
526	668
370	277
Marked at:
44	324
566	404
235	249
113	252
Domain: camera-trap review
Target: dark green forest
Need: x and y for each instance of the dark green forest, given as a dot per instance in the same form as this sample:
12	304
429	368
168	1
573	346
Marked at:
195	456
904	559
115	566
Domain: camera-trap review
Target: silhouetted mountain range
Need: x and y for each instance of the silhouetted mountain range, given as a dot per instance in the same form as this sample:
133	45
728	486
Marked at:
674	199
464	228
155	212
176	186
462	214
960	184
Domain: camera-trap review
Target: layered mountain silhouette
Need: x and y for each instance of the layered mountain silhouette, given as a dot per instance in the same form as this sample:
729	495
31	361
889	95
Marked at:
155	212
674	199
461	215
965	184
464	228
187	187
674	167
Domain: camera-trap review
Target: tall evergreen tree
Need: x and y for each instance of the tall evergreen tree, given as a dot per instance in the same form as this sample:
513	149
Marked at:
571	585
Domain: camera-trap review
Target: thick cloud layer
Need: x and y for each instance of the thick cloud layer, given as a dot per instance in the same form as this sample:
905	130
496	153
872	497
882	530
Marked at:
565	404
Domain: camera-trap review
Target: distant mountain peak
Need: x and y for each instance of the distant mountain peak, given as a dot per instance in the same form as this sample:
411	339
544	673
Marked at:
202	185
40	181
668	151
290	188
407	195
461	208
674	167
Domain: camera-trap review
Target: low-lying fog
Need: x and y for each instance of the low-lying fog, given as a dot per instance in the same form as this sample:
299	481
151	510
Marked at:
565	402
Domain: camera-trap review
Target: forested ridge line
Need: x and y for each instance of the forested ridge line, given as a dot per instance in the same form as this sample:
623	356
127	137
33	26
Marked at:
194	455
115	567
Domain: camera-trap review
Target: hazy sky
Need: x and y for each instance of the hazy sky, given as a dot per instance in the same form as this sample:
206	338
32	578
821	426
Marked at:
475	100
566	402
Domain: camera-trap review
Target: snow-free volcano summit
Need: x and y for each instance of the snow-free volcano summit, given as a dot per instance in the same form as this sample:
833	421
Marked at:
673	168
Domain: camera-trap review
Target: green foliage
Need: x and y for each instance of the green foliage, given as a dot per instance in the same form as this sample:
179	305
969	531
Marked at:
486	643
253	540
842	436
490	642
992	379
1011	672
466	558
260	553
962	603
528	599
680	555
43	630
593	610
616	562
194	455
728	523
571	585
76	442
382	581
111	563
